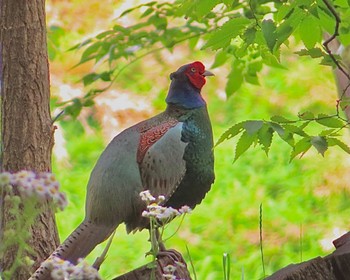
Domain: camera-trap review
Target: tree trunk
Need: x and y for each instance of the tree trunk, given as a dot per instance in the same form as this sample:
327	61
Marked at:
26	127
335	266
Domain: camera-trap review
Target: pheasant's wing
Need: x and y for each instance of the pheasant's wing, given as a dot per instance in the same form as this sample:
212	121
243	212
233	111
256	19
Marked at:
160	158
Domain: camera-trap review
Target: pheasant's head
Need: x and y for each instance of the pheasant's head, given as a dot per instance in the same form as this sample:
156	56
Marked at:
186	85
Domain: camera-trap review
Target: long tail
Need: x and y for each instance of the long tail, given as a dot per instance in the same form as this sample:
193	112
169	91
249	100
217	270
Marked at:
77	245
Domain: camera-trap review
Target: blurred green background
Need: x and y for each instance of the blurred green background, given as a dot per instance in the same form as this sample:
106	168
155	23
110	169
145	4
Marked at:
305	202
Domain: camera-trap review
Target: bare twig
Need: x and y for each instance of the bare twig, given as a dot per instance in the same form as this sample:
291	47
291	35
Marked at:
98	262
330	39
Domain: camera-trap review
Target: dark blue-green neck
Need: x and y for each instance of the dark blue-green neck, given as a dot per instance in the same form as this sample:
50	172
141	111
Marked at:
183	94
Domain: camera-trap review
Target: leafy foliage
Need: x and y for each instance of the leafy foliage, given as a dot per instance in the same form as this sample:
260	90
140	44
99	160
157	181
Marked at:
247	35
293	132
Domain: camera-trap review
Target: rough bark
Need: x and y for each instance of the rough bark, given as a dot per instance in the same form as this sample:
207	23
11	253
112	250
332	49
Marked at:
342	81
335	266
26	128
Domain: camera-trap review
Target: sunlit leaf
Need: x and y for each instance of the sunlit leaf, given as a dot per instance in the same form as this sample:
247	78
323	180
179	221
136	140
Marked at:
280	119
330	121
90	51
231	132
243	144
336	142
271	60
251	78
222	37
294	129
313	52
310	31
284	11
306	115
90	78
327	132
301	147
220	58
235	79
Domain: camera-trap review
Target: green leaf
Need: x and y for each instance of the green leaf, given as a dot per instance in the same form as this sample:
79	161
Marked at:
330	121
88	102
313	52
284	11
74	109
310	31
336	142
265	136
192	43
306	115
90	78
243	144
288	137
252	127
137	7
280	119
105	76
283	32
222	37
160	22
203	7
327	132
301	147
271	60
294	129
252	78
276	127
220	58
105	34
282	133
326	19
249	35
235	78
304	125
90	52
320	143
149	11
268	29
231	132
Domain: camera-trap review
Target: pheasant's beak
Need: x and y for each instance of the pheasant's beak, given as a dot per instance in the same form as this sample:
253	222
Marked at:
207	73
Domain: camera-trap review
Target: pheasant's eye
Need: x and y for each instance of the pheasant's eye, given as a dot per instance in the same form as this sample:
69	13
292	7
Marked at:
193	70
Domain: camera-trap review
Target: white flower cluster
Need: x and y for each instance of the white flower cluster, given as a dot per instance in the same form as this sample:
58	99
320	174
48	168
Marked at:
154	209
41	185
65	270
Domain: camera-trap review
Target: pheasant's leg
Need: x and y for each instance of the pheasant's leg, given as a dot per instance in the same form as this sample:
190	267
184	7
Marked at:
173	254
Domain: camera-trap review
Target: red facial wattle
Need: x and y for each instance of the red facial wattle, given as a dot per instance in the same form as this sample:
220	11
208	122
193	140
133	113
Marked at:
196	74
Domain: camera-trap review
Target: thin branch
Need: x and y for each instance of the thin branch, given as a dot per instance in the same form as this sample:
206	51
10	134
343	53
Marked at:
333	37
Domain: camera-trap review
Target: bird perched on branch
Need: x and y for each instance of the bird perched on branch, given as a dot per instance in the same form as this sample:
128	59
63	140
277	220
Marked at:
170	154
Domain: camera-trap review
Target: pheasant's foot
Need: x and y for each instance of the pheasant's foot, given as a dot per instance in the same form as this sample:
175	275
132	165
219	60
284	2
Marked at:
174	255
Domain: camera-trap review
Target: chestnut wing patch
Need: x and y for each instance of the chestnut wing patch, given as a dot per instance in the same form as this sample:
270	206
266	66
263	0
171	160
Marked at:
162	166
151	136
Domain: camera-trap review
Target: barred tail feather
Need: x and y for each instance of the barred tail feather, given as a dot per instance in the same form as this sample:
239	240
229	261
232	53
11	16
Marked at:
77	245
